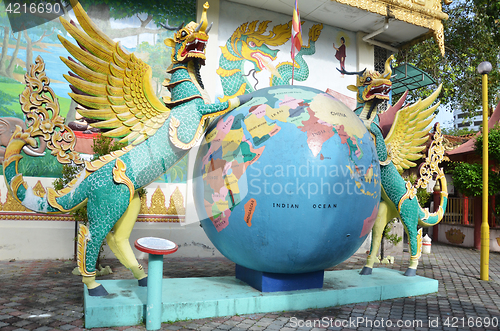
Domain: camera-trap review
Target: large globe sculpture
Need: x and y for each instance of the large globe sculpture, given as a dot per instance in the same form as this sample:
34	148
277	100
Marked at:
288	182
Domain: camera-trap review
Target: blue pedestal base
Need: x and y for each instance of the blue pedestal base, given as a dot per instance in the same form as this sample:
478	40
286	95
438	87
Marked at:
274	282
195	298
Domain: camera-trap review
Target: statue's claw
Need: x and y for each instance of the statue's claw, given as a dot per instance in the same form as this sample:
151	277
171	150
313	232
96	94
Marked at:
410	272
143	282
366	271
98	291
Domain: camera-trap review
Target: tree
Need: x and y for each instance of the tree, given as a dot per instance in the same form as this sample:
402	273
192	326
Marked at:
159	58
9	72
30	44
491	12
175	11
468	42
4	23
467	177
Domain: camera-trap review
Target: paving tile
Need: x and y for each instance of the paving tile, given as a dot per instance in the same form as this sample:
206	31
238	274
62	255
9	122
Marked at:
40	296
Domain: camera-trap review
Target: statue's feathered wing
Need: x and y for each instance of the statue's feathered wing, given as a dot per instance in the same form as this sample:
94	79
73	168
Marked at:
116	85
409	132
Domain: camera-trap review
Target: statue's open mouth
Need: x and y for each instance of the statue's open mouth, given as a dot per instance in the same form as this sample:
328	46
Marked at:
196	46
381	91
264	62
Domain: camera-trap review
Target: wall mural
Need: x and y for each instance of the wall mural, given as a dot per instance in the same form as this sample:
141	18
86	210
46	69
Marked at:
256	53
142	34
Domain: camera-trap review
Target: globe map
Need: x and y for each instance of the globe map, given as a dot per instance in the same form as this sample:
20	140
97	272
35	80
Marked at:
288	182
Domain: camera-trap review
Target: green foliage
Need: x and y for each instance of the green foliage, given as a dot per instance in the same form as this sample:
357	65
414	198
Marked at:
493	144
422	194
104	145
176	11
69	172
491	12
468	42
6	106
456	132
8	80
468	179
392	238
19	70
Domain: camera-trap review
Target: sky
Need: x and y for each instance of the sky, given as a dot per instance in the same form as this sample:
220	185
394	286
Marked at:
445	118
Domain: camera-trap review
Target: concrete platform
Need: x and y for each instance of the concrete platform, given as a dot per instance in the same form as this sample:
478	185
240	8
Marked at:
196	298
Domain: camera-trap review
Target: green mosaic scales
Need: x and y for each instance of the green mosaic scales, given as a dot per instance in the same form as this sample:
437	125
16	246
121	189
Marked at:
397	151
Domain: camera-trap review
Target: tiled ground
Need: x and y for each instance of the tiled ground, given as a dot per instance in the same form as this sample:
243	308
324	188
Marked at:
44	295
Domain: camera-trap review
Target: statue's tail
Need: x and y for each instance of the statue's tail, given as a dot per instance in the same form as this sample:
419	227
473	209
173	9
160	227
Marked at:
41	109
430	169
426	218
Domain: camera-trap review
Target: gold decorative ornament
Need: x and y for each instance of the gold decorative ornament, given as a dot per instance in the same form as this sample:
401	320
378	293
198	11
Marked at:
158	203
424	13
41	108
176	206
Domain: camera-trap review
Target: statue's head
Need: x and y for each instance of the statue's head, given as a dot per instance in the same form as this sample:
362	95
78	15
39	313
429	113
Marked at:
189	42
371	84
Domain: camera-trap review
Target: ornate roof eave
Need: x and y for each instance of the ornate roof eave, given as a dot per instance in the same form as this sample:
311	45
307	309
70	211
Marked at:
427	14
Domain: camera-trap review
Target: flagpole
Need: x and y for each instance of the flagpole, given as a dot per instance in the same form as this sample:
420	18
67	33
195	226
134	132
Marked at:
296	32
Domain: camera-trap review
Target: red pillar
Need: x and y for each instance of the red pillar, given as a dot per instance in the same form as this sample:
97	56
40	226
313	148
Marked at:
437	199
465	219
478	216
492	212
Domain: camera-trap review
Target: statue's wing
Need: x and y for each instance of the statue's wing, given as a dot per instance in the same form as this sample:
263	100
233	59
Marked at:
409	132
110	84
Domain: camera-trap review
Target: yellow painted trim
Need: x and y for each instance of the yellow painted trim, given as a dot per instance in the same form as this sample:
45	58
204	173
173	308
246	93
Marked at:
83	237
411	192
174	125
94	165
120	177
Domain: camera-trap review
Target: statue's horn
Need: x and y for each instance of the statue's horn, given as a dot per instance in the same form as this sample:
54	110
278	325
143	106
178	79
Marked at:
199	26
172	28
209	27
388	71
359	73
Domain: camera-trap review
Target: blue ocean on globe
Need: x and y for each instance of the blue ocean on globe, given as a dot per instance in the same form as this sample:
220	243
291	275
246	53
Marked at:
288	182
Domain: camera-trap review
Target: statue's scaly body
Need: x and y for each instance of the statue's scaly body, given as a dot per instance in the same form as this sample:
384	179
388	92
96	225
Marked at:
401	146
114	87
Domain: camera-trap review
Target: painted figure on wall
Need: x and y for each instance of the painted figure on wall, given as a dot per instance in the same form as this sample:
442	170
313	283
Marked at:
341	53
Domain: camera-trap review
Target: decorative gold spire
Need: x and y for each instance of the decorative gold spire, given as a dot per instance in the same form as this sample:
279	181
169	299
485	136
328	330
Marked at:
204	19
176	206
